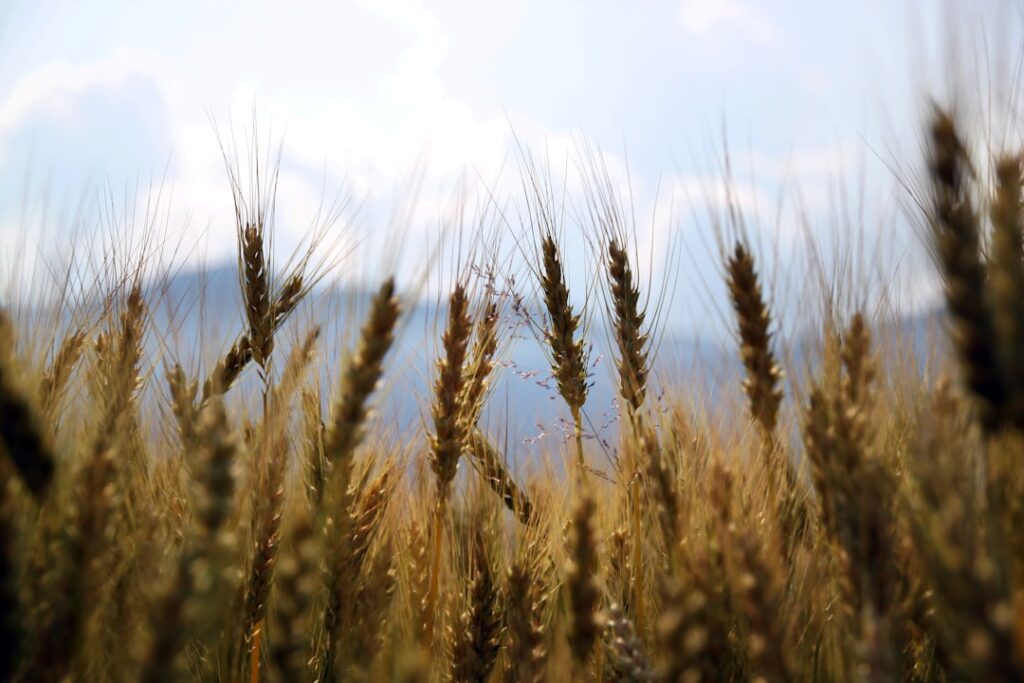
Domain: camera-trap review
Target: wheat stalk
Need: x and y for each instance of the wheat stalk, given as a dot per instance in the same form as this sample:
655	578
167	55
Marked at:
449	437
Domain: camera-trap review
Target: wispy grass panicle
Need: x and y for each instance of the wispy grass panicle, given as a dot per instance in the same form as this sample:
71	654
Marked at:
479	375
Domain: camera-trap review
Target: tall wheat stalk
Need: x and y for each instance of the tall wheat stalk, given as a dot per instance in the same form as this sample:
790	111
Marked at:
449	437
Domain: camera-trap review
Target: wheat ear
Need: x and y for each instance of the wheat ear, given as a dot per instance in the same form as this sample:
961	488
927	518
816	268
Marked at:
581	581
295	584
55	379
761	385
346	549
624	650
957	243
255	278
568	354
527	650
183	396
493	470
628	327
230	366
480	366
360	377
182	612
1006	280
449	438
478	629
22	435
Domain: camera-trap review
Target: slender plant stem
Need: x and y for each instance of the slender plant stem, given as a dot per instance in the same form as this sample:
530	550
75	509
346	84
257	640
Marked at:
638	566
435	570
581	463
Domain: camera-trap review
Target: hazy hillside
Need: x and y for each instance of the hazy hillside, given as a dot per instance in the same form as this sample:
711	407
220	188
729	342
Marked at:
525	409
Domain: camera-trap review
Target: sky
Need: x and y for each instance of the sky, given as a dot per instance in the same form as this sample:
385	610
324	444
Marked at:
105	105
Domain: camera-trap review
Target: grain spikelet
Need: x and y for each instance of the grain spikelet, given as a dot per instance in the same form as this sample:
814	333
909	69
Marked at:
628	327
479	625
448	439
957	243
754	321
527	601
360	377
55	379
24	441
581	581
568	354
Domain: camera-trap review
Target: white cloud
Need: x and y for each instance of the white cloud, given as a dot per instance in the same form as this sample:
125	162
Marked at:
50	85
710	16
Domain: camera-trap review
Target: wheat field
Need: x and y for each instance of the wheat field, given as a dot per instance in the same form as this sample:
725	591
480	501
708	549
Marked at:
864	525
